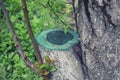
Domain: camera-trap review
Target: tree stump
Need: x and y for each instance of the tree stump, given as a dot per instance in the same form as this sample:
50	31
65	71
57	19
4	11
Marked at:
66	62
58	46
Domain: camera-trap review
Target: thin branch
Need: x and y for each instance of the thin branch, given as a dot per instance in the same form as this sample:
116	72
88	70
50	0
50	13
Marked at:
82	55
75	15
36	48
16	41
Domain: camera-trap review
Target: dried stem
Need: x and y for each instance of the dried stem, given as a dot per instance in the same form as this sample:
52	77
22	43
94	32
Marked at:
36	48
16	41
82	55
75	15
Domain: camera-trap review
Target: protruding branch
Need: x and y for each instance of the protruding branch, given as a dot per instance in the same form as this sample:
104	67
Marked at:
36	48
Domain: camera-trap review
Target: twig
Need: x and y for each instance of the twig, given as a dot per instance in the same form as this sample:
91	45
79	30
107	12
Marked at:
36	48
16	41
75	15
56	14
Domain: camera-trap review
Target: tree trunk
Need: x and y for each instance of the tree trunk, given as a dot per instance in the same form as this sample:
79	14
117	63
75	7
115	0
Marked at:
99	29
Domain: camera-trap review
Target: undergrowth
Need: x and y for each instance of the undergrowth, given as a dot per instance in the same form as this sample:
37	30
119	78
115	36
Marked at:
43	14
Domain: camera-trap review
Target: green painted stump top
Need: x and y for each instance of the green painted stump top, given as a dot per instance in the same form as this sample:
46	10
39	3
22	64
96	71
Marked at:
56	39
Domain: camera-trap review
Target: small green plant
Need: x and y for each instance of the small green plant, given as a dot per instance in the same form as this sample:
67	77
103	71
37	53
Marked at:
47	67
50	14
12	67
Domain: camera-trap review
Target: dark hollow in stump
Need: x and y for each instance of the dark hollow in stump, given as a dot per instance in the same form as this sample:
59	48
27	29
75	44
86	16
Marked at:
59	37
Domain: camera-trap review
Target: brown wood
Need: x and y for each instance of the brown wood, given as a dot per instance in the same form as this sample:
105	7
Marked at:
35	46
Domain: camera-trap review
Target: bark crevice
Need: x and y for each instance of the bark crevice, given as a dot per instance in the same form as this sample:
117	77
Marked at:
103	10
102	51
87	12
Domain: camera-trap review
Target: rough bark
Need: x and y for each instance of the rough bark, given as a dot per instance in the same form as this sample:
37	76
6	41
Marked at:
67	64
99	29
